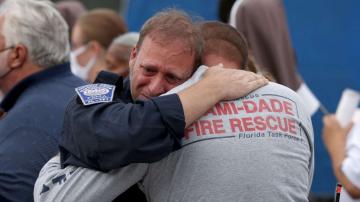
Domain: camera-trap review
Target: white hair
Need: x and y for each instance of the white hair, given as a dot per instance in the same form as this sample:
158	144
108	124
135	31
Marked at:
39	26
127	39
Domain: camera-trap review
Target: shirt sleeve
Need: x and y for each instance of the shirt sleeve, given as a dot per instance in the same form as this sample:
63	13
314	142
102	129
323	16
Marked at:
83	184
107	136
351	164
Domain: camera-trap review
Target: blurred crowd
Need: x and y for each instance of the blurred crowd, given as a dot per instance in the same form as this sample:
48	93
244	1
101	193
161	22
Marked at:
182	110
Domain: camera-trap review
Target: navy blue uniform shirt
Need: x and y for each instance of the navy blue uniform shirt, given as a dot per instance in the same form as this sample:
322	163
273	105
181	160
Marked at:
110	135
30	128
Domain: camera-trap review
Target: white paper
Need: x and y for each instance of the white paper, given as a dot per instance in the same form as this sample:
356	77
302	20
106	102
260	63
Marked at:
311	102
356	116
347	106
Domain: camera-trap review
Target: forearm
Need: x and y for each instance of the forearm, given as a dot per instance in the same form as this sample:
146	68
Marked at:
113	135
197	100
216	85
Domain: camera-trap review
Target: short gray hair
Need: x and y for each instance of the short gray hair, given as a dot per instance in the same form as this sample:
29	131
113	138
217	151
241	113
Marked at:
127	39
39	26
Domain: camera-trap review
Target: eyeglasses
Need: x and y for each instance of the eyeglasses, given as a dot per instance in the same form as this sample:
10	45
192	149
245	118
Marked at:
10	47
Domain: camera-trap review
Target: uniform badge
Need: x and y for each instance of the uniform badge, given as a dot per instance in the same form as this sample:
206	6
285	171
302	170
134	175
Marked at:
95	93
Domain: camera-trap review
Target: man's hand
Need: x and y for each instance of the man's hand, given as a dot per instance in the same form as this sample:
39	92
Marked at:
231	84
217	84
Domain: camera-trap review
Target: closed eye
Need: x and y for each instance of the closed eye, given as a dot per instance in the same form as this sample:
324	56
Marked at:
148	71
173	79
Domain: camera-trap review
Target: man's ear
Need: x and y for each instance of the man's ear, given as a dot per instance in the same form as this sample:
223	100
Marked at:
96	46
132	57
18	56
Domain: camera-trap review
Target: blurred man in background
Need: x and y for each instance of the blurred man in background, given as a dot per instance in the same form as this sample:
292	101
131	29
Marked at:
118	54
91	37
35	75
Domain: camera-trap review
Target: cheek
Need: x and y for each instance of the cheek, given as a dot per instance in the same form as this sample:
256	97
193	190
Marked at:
170	86
138	79
138	83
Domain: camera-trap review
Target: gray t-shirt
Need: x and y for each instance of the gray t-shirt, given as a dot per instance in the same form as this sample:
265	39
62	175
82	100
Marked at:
257	148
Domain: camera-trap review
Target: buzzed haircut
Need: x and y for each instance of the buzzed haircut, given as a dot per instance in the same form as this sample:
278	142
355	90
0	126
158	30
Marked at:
224	40
172	24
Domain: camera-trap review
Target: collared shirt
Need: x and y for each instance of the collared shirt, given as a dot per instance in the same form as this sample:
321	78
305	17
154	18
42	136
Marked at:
30	128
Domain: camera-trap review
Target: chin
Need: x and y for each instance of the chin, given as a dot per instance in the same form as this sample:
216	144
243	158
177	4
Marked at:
142	97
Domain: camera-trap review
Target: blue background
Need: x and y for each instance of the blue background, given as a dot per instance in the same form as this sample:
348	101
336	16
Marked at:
325	35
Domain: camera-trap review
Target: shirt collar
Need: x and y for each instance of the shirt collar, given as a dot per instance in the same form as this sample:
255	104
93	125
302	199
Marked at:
12	96
126	96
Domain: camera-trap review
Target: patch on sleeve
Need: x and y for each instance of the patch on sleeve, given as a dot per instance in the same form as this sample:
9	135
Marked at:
95	93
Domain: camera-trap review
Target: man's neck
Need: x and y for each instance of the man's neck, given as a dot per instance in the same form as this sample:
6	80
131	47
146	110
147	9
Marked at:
17	75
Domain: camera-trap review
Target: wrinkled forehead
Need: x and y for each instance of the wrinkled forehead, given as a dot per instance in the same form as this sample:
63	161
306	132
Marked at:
172	55
164	39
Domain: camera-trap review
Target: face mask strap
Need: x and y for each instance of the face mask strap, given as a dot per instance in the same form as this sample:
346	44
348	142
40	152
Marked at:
81	71
80	50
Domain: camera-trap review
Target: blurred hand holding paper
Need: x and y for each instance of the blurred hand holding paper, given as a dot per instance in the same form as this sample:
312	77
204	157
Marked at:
356	116
309	99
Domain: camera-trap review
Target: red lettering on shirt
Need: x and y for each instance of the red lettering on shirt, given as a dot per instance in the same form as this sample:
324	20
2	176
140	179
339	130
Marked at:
188	131
271	126
263	106
233	107
205	126
276	105
260	123
223	109
288	108
250	106
248	124
218	126
235	125
283	124
292	126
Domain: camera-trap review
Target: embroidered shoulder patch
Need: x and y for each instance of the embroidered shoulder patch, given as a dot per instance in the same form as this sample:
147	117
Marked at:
95	93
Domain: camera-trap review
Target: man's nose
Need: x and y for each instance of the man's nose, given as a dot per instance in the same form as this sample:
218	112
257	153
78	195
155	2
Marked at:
157	86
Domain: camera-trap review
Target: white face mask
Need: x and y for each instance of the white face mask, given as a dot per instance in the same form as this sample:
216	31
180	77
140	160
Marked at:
76	68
